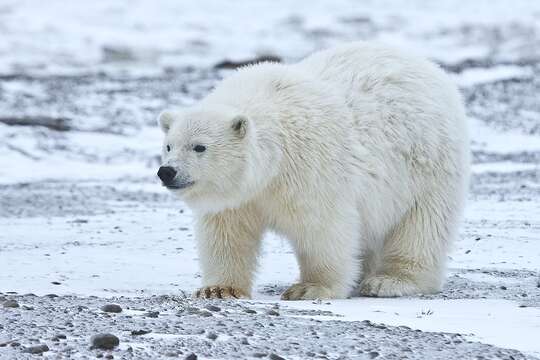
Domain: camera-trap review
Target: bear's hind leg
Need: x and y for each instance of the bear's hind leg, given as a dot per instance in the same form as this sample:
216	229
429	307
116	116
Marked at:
414	253
328	260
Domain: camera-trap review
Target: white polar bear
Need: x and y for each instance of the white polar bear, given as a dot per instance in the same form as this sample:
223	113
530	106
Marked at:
358	155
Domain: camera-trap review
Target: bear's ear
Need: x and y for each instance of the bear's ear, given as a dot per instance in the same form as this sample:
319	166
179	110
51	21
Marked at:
165	120
239	125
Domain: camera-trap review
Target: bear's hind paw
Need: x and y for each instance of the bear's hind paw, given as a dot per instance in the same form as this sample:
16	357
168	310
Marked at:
307	291
388	286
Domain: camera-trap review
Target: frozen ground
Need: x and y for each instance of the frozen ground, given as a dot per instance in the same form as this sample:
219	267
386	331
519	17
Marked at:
83	217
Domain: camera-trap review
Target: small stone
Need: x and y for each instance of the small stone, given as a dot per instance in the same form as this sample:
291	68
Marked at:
259	355
272	313
212	336
191	356
58	337
244	341
51	296
111	308
109	356
104	341
276	357
56	283
212	308
11	304
26	307
503	287
140	332
205	313
373	354
152	314
250	311
192	310
38	349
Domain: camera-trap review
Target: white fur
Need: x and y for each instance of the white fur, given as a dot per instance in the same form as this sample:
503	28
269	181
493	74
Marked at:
357	154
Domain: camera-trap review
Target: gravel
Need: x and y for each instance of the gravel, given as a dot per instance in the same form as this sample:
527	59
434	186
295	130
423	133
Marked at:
291	335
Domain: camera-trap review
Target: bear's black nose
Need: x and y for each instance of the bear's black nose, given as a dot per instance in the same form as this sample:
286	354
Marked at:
166	174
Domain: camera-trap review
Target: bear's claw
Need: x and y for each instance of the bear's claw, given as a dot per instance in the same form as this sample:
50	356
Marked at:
220	292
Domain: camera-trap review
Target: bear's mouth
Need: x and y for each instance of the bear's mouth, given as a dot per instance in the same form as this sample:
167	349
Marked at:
179	186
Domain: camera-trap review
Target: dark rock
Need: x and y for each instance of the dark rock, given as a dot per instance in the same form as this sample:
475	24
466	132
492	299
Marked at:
250	311
205	313
38	349
272	313
140	332
259	355
373	354
11	304
104	341
276	357
212	336
58	337
212	308
53	123
111	308
191	356
152	314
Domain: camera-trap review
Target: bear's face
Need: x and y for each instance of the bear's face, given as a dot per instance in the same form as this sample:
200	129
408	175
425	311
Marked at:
203	154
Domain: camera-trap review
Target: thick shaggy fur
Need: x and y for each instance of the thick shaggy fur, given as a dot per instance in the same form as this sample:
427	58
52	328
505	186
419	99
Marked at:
358	155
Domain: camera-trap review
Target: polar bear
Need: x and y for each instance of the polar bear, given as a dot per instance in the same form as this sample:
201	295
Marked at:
358	155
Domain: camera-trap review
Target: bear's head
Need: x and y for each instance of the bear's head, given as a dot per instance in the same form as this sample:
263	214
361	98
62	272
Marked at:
207	156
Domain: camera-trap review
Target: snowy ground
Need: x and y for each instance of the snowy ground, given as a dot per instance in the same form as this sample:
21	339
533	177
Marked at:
82	215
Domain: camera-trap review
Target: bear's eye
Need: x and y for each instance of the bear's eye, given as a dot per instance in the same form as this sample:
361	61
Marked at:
168	148
199	148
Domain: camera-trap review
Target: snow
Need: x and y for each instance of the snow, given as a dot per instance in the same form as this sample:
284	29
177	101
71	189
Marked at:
484	75
497	322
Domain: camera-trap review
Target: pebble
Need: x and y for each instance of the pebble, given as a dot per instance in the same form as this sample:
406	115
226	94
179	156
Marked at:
212	336
104	341
111	308
152	314
11	304
37	349
212	308
205	313
58	337
140	332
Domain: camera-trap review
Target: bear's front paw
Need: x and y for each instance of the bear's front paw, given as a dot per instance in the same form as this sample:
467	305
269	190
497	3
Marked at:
307	291
220	292
388	286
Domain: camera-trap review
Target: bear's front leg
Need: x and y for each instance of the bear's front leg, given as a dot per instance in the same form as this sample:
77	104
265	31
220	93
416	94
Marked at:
328	263
228	244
